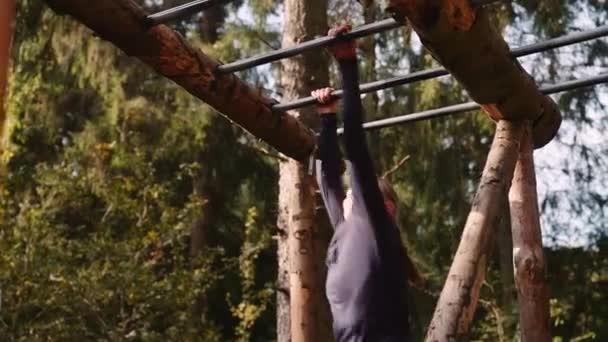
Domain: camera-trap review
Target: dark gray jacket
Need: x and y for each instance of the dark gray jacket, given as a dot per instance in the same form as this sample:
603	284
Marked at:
366	284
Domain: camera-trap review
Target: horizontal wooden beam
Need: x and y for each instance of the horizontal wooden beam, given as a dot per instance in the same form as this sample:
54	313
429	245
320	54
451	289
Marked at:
461	37
123	23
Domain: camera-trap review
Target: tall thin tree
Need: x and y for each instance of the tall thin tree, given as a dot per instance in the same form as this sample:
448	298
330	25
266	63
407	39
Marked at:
7	15
204	186
302	309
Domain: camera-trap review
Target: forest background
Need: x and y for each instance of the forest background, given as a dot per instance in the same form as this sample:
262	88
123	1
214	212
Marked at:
129	210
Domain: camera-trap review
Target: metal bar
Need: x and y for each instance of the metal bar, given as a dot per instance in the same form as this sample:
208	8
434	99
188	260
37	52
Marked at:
361	31
182	11
368	87
478	3
569	39
469	106
358	32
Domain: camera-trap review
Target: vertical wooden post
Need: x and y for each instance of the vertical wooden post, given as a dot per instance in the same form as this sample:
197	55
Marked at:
528	255
7	16
460	294
302	308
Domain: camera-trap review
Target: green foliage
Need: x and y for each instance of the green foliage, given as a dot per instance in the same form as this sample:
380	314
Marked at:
99	197
254	302
100	258
576	311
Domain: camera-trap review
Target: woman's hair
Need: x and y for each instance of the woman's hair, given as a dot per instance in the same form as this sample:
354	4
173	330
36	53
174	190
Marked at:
413	274
387	190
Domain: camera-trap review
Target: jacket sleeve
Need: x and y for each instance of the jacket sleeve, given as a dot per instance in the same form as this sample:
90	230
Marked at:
328	169
363	179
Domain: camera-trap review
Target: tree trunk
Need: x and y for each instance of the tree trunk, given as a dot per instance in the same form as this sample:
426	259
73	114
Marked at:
368	47
528	255
460	294
454	31
210	22
302	310
200	226
204	187
504	244
122	22
368	58
7	16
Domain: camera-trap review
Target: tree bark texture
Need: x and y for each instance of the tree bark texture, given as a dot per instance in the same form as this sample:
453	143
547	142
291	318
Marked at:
122	23
528	255
302	313
7	16
464	41
460	294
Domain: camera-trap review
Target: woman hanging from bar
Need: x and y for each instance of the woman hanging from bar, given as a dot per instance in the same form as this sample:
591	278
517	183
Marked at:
366	281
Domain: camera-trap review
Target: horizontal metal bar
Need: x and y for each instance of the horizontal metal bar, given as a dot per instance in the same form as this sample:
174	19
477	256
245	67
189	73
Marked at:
575	84
565	40
361	31
368	87
182	11
469	106
358	32
478	3
190	8
569	39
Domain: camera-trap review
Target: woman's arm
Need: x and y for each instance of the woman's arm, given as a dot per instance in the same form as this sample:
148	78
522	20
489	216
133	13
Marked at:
364	183
328	167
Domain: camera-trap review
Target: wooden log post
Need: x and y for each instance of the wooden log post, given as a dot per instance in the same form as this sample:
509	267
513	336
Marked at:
303	312
122	22
7	16
460	294
528	255
462	38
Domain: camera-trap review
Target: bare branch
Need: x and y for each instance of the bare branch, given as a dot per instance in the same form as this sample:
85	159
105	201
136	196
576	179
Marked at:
396	166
